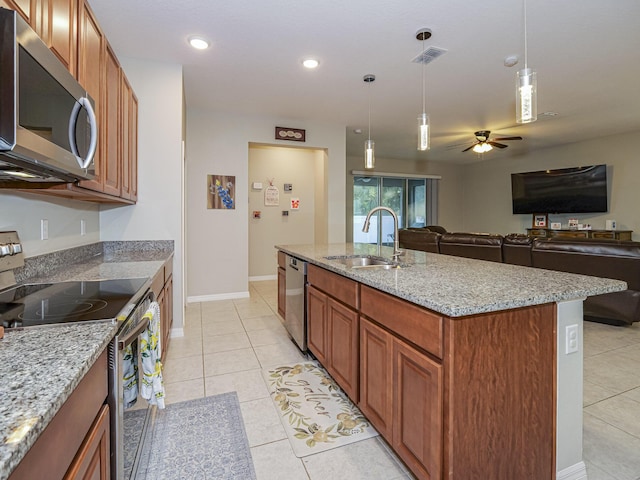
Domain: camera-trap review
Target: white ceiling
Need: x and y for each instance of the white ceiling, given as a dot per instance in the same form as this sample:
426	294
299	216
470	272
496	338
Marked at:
586	54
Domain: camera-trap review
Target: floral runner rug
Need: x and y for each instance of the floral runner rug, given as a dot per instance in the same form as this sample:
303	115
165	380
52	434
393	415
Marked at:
315	413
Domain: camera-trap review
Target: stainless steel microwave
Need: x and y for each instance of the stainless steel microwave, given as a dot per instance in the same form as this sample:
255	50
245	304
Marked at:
48	129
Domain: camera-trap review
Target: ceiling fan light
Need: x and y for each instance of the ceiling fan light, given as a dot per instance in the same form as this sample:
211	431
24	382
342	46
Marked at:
482	147
526	96
424	133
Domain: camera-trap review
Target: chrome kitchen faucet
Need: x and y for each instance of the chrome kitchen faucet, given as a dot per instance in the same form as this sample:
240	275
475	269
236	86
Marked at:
396	243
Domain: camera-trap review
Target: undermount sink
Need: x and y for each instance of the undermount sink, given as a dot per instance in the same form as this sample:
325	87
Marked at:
364	261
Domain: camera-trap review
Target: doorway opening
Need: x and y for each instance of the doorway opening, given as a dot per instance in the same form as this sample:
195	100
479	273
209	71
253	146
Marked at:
294	211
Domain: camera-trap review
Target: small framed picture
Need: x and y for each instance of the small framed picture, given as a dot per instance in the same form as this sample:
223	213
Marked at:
540	220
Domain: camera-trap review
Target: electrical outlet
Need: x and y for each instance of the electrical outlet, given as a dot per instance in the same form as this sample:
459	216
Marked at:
571	339
44	229
83	227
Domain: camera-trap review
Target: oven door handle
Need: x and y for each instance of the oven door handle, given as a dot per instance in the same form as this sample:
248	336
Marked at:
133	334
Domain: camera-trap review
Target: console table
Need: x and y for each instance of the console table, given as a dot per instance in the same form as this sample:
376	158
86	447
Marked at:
574	233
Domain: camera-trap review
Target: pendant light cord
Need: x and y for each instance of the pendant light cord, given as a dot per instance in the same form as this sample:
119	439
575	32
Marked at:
525	34
423	67
369	94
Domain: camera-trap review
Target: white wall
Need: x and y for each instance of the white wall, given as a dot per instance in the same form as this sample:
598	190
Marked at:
217	240
450	199
486	185
158	213
22	212
297	166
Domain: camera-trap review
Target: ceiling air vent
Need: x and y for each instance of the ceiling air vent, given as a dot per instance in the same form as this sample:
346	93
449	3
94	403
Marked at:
429	55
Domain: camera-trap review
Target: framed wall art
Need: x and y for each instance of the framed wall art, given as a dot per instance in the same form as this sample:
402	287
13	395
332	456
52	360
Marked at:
221	190
291	134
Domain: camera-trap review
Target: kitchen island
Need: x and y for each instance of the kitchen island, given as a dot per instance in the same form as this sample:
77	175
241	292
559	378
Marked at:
464	366
42	367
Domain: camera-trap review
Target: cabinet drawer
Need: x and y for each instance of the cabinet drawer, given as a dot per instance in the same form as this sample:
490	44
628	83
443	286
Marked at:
415	324
337	286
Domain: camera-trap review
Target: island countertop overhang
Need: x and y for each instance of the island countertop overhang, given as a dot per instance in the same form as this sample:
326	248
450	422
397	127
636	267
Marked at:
456	286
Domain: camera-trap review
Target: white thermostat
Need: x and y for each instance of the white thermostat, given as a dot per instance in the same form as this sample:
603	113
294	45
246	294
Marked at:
256	185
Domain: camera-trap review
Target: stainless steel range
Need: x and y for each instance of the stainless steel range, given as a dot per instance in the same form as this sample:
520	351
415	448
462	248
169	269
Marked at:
36	305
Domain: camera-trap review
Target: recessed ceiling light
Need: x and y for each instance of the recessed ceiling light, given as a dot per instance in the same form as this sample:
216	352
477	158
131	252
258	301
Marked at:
198	43
310	63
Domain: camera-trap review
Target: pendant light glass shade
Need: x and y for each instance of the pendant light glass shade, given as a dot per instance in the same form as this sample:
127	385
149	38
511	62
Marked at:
526	85
424	129
526	101
369	145
369	154
424	132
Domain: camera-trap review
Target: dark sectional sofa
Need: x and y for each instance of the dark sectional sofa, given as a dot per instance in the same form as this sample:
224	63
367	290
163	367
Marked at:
601	258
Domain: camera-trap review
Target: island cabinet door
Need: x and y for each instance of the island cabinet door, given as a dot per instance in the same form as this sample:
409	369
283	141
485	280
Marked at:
317	324
376	377
417	416
343	347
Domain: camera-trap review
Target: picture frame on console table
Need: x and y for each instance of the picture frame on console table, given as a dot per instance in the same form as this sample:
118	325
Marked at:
540	220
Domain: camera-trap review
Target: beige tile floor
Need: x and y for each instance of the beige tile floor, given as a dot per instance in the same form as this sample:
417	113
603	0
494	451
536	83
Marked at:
228	343
225	347
611	438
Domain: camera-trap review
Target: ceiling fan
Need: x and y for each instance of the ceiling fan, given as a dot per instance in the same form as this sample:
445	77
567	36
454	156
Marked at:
483	143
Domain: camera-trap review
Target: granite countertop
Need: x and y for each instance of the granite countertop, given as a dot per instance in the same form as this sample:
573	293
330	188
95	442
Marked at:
456	286
41	366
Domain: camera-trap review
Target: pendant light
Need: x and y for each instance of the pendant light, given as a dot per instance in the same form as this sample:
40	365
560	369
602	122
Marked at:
424	131
369	145
526	86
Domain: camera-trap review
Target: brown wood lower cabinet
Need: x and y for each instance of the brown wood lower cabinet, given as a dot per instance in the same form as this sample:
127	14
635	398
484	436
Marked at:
317	329
66	441
343	346
417	410
92	461
401	394
457	398
162	288
332	336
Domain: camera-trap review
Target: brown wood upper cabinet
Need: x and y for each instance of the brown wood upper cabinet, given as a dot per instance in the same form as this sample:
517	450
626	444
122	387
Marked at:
82	47
45	17
26	8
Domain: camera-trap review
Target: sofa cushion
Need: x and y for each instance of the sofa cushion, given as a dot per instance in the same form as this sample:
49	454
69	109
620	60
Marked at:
601	258
516	249
419	239
481	246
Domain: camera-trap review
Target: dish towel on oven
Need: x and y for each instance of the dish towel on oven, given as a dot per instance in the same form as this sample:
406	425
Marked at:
130	375
152	388
129	368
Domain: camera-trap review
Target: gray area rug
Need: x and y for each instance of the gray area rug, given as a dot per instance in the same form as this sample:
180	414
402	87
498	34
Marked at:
201	439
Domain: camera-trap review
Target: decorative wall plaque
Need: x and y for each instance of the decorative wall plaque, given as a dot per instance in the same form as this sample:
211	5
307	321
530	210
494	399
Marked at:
291	134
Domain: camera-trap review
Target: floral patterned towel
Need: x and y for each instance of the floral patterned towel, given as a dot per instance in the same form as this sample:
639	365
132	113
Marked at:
152	388
316	414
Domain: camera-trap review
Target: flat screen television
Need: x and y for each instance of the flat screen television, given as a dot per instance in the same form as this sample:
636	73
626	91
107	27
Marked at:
566	190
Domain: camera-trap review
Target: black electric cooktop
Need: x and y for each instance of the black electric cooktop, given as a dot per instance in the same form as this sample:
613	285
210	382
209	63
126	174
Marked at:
79	301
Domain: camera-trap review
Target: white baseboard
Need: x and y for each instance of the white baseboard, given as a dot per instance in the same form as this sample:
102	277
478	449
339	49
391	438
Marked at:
262	278
216	297
574	472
